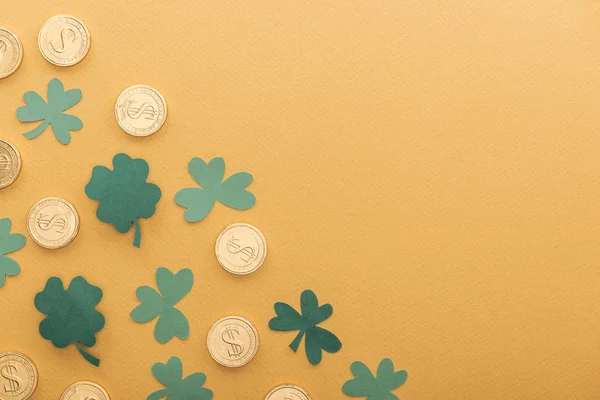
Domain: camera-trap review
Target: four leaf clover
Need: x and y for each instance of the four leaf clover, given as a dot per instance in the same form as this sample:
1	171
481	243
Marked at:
171	374
124	194
231	192
171	322
317	338
52	112
9	242
70	314
374	387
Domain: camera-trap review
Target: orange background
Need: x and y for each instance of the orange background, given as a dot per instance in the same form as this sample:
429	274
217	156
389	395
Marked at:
429	168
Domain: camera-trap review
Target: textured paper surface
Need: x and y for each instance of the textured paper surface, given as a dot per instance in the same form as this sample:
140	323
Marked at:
429	168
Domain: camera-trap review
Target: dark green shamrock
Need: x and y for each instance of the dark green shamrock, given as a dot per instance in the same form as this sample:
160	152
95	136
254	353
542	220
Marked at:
199	201
52	113
317	339
365	384
171	322
171	374
70	314
9	242
124	194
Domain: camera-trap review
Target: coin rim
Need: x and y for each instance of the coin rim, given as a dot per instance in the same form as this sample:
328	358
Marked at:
162	98
212	329
288	385
36	374
77	61
6	75
12	146
97	385
264	257
77	219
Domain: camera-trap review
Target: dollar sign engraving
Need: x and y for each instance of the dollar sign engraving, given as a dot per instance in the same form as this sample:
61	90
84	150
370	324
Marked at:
146	110
3	49
14	382
4	162
90	398
237	347
66	35
292	396
234	247
46	224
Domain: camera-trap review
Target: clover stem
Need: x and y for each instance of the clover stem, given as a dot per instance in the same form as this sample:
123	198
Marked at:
294	345
158	394
88	357
137	236
37	131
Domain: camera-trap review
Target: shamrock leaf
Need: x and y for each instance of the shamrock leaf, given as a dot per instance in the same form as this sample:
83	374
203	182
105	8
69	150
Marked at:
9	242
52	113
365	384
70	314
170	375
171	322
199	201
317	339
124	194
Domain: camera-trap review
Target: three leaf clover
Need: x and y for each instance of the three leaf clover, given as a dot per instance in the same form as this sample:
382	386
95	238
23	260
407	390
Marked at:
52	112
374	387
70	314
231	192
171	374
317	338
124	194
9	242
171	322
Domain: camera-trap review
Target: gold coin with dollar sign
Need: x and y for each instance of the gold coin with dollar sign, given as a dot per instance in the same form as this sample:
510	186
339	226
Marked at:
10	163
288	392
18	376
85	390
11	53
233	341
64	40
141	110
241	249
53	223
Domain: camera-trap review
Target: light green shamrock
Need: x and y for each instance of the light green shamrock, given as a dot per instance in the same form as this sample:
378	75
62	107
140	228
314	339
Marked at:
9	242
377	387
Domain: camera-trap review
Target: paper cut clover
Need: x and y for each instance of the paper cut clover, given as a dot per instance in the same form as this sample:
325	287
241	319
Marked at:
9	242
170	375
70	314
377	387
231	192
171	322
317	338
52	112
124	194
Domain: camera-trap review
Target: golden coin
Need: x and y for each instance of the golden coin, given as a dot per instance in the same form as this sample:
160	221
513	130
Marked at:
10	163
288	392
85	390
53	222
232	341
11	53
241	249
141	110
64	40
18	376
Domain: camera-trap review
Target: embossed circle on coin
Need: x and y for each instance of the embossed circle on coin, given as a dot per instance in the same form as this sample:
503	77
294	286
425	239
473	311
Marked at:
10	163
53	222
141	110
85	390
64	40
11	53
288	392
233	341
241	249
18	376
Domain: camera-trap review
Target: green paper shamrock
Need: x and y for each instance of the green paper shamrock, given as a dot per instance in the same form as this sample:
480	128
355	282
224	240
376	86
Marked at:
52	113
171	322
199	201
9	242
170	375
365	384
124	194
70	314
317	339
